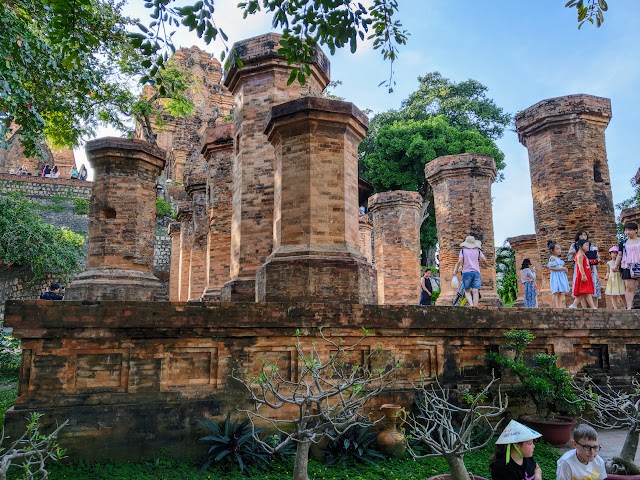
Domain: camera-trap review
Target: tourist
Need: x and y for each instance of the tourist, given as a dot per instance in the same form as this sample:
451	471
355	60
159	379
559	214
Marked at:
83	172
55	173
528	279
615	285
583	462
74	173
53	293
469	262
558	281
629	260
513	457
23	170
594	258
46	171
583	284
426	288
363	210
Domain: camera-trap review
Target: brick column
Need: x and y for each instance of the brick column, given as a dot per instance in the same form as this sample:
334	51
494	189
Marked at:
462	200
196	188
396	239
365	232
218	152
569	172
525	246
174	274
316	256
122	221
185	217
259	84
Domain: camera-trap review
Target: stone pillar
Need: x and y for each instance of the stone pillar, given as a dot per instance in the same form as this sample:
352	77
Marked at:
257	85
462	200
218	152
525	246
569	172
196	188
185	217
365	231
396	231
174	274
316	256
122	222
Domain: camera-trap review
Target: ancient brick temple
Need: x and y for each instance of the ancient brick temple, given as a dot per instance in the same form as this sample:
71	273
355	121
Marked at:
462	199
570	180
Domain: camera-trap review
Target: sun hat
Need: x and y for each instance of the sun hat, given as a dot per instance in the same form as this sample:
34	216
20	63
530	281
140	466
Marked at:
516	432
471	242
614	249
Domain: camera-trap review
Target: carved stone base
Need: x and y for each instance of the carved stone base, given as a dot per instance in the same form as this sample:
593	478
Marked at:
239	290
114	284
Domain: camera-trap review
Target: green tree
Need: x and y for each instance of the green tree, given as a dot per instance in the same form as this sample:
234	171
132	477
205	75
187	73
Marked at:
506	274
26	239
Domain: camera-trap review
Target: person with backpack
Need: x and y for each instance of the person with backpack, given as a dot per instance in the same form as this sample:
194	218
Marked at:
469	262
628	261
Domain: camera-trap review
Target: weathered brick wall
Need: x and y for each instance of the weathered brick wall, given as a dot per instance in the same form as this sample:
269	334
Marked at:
462	199
258	85
162	253
365	234
570	180
134	377
196	187
45	187
525	246
14	285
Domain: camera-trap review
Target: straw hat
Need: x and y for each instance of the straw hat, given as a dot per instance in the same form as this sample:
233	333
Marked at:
515	433
471	242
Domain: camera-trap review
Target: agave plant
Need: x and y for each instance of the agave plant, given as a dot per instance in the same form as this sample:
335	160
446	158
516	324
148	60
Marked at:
232	441
354	446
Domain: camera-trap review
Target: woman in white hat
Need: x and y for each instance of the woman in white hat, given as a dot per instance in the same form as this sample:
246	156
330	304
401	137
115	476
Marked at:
513	459
469	261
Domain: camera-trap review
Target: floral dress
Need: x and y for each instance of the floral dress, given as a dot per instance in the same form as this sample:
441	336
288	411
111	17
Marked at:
557	278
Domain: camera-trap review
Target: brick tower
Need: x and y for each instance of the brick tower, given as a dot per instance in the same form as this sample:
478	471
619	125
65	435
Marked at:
218	152
396	230
257	85
315	255
462	199
569	174
122	222
196	187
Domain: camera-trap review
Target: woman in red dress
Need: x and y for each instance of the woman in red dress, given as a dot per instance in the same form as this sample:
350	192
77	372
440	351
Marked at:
583	287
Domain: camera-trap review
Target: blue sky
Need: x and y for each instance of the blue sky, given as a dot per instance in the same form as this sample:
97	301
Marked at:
523	51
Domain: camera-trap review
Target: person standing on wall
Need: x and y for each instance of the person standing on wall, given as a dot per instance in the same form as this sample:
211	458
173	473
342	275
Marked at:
469	261
426	288
628	261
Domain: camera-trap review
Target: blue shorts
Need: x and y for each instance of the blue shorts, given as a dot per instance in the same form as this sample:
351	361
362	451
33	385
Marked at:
471	280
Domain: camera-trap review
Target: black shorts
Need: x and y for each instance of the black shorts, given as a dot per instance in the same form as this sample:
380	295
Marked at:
626	274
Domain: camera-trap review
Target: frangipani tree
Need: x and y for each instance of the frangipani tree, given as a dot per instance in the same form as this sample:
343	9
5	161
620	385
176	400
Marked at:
335	381
450	429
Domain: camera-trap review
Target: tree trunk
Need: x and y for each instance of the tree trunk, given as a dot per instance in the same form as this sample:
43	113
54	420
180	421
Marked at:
630	446
458	470
302	461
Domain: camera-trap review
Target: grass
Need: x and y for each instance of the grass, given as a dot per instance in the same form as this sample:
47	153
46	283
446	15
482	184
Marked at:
167	468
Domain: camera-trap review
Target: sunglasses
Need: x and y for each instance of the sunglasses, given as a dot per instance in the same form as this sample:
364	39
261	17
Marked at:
590	448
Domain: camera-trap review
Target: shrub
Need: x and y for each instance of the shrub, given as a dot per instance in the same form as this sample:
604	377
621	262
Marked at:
9	355
356	445
164	208
233	441
81	206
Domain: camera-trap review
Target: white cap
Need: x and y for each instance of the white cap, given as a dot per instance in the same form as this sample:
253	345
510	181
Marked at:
515	433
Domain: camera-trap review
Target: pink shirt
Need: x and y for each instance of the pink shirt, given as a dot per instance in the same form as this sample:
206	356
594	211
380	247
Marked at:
471	259
631	254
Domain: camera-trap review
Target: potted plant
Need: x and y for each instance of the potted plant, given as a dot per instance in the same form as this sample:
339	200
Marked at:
450	429
613	408
546	384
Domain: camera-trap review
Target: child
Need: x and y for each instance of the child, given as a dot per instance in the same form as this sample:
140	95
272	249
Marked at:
558	277
615	285
629	257
528	279
583	285
583	462
513	458
594	253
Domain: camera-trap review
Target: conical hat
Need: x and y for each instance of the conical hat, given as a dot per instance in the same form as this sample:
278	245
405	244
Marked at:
515	433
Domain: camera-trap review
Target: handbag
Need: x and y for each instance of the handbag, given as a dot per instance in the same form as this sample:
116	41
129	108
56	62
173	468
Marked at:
592	257
634	270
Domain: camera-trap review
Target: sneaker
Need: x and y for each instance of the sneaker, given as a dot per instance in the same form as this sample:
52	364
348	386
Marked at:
572	306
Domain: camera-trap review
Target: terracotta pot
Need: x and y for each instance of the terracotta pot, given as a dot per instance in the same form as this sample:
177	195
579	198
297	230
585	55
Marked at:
390	441
448	477
556	431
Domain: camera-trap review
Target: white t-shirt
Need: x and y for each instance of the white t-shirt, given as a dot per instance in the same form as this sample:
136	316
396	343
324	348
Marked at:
570	468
